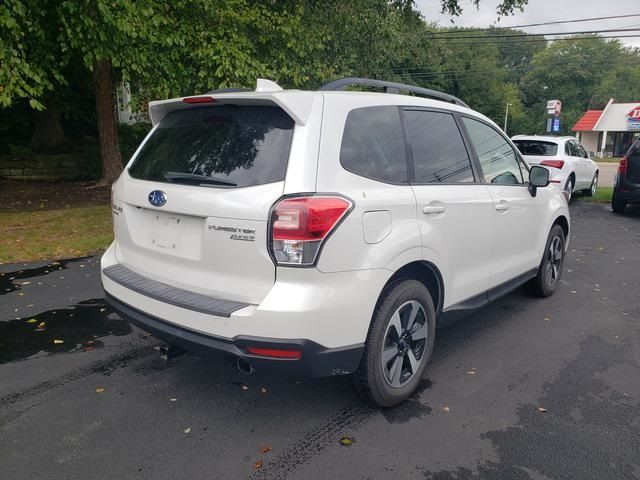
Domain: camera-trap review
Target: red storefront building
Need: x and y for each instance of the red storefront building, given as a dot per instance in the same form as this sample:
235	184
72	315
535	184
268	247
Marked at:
609	132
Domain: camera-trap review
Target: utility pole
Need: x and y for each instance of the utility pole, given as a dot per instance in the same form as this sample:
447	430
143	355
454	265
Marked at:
506	118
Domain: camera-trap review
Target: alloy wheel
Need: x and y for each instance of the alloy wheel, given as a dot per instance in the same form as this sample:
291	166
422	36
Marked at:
594	185
568	190
404	344
554	261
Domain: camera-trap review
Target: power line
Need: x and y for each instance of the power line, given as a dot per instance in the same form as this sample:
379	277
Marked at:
517	35
558	22
539	40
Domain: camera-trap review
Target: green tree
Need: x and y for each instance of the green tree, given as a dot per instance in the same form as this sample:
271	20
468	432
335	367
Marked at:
571	71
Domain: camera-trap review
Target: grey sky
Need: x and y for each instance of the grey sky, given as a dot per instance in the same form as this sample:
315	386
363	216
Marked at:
543	11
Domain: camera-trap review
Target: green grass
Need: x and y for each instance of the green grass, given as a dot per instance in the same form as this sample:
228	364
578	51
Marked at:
54	234
603	195
607	160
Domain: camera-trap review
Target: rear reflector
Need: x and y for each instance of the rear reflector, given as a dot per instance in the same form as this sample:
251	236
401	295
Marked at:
622	166
198	100
553	163
276	353
299	225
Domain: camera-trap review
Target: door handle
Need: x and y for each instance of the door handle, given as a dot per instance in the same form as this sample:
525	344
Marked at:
502	206
433	209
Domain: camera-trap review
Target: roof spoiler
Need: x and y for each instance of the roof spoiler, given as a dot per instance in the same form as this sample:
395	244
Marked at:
297	104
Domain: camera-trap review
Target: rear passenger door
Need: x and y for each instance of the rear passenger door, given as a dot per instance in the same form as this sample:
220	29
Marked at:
455	211
584	168
518	216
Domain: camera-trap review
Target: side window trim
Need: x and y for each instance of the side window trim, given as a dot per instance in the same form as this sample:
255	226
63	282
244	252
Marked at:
473	155
476	158
411	174
477	178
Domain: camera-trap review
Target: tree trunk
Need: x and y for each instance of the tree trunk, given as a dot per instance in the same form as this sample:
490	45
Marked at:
107	123
47	134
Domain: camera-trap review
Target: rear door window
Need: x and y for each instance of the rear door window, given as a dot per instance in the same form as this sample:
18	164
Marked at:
537	148
219	146
438	151
373	144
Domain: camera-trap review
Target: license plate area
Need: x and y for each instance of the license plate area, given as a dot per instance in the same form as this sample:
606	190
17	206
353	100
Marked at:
164	231
168	233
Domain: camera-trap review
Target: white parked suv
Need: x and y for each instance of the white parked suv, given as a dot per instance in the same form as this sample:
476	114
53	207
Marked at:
569	165
318	233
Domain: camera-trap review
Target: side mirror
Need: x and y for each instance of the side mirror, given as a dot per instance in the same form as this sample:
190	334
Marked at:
538	178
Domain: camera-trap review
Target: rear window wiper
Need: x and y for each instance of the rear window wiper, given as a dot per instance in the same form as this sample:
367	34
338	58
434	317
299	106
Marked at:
194	178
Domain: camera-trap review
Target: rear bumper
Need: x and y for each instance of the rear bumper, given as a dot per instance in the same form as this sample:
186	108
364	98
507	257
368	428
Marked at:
315	360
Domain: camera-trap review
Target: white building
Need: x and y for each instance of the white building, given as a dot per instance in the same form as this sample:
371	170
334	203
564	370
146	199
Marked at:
609	132
125	113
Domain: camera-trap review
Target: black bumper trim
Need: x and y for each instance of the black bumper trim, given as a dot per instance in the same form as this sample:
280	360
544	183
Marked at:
315	361
171	295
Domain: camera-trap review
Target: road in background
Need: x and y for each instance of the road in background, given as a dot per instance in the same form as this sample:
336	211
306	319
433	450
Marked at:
606	173
526	388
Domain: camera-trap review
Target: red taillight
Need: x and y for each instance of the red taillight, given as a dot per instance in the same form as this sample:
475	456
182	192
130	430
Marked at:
300	224
277	353
198	100
622	166
553	163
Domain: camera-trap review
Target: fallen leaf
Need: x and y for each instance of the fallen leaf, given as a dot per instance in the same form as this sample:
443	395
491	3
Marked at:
187	430
174	400
265	449
87	349
347	441
542	410
58	342
263	390
472	371
25	283
446	409
20	294
99	390
547	319
103	309
244	387
41	325
32	320
258	465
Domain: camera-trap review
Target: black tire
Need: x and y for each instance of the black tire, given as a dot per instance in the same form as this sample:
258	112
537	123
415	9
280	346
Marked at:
369	379
617	205
544	283
591	191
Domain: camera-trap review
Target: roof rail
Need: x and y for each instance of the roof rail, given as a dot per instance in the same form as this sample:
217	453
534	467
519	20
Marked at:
392	87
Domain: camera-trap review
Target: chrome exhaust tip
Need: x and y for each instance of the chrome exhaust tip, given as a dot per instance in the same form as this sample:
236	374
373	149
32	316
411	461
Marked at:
244	366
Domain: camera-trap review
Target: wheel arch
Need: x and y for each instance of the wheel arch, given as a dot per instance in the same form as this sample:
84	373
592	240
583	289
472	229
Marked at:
564	224
426	273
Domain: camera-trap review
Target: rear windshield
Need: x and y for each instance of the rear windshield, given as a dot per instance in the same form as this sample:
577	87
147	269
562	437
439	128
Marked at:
536	147
219	146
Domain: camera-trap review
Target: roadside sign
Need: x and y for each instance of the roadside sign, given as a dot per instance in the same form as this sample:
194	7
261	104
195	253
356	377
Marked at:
556	125
554	107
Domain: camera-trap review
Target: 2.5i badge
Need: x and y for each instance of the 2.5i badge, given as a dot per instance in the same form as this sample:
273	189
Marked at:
237	233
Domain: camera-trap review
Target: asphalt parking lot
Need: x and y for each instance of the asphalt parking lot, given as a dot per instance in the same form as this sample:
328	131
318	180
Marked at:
525	389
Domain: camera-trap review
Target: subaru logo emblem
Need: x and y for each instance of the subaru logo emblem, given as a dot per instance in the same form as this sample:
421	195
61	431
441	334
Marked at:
157	198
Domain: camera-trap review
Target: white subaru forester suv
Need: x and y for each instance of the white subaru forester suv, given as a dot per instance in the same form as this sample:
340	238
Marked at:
318	233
